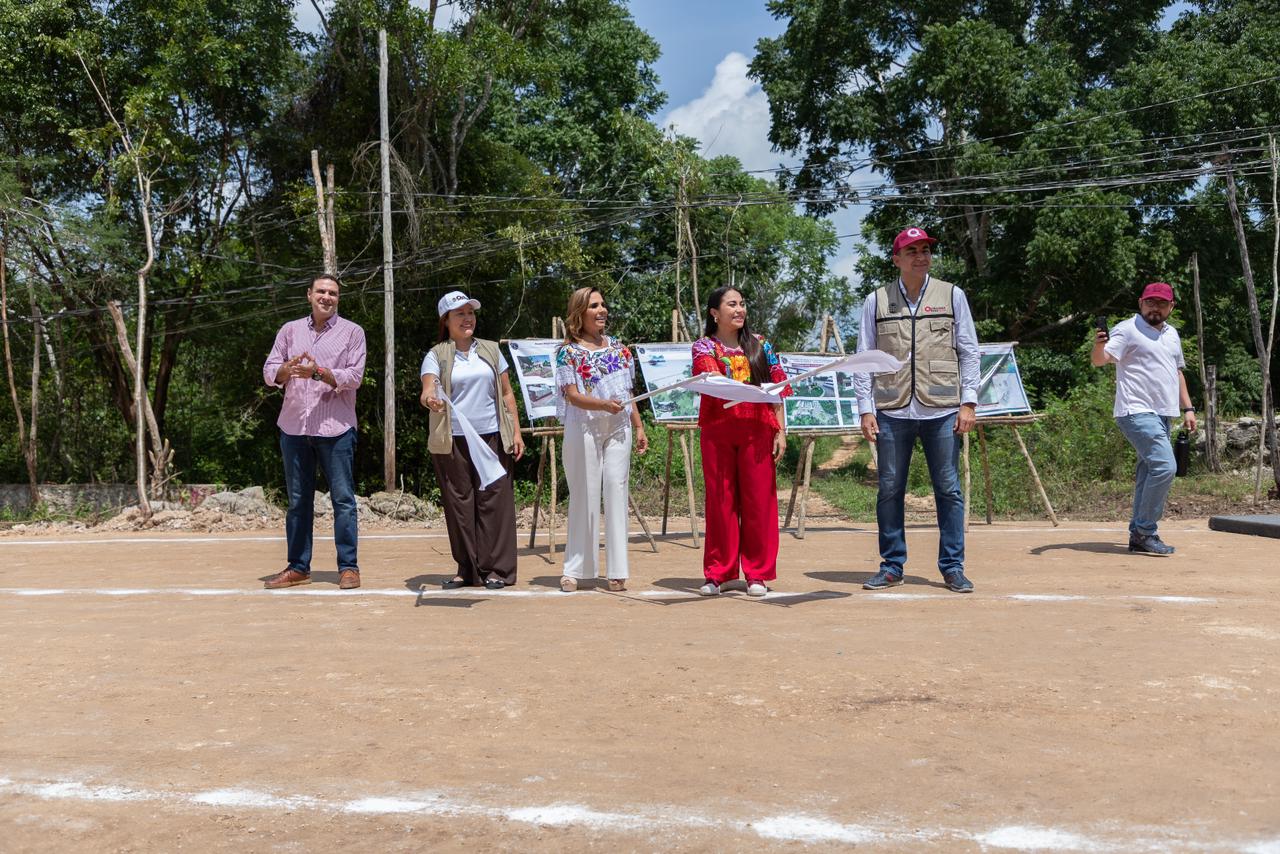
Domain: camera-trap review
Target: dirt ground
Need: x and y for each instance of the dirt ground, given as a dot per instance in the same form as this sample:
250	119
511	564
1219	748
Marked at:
155	698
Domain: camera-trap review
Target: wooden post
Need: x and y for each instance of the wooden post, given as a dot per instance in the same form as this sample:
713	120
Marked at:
688	482
1211	418
1035	475
795	488
835	333
807	455
986	472
388	281
644	526
551	510
666	481
324	216
1210	451
537	492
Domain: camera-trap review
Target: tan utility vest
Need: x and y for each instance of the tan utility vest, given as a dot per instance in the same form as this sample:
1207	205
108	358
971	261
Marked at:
439	425
932	373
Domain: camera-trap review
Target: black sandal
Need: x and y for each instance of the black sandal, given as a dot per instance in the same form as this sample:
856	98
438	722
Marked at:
493	584
453	584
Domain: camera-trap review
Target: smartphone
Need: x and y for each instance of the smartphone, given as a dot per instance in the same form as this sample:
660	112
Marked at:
1100	323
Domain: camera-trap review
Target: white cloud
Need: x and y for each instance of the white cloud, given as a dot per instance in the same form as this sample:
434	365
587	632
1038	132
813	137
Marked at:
730	117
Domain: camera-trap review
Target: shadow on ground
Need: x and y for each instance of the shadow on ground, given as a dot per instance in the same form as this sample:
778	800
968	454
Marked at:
1092	548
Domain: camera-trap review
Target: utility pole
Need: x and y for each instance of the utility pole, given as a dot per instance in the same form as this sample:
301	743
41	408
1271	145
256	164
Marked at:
388	280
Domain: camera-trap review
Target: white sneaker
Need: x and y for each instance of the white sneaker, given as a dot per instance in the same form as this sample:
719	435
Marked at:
709	589
756	589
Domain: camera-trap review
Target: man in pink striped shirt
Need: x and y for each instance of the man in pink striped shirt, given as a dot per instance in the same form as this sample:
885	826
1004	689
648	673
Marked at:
319	362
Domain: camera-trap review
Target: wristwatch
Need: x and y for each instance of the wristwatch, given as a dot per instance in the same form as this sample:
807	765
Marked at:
317	375
1188	409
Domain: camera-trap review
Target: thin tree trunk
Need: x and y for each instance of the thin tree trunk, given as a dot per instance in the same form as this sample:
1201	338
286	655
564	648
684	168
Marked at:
140	402
27	445
1275	298
147	422
1255	324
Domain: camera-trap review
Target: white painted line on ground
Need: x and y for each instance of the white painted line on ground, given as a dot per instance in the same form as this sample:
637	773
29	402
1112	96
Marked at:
658	819
467	592
638	536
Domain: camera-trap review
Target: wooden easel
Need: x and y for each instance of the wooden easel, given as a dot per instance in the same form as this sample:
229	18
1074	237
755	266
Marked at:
549	432
680	430
1012	422
800	483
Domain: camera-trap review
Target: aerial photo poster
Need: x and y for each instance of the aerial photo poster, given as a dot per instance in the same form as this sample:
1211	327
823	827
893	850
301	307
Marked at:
534	361
664	364
822	402
1001	391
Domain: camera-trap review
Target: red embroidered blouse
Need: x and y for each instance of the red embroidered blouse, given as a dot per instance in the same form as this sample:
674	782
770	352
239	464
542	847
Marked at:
710	355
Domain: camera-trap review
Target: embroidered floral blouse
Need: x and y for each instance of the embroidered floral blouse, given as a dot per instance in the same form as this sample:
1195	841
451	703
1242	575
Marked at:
607	373
710	355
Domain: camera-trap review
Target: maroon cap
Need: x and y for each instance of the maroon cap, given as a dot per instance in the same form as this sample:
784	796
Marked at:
1158	290
909	236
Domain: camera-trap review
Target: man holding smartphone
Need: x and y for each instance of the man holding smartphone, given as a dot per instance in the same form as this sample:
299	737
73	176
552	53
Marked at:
1150	389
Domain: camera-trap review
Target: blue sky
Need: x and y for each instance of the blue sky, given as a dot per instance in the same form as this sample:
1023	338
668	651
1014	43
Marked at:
696	34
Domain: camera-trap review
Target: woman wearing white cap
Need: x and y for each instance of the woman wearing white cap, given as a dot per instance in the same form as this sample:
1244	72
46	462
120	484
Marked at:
594	374
473	374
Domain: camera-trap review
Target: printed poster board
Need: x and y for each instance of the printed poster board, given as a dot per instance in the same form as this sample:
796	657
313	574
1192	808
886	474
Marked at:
824	402
1001	391
664	364
534	363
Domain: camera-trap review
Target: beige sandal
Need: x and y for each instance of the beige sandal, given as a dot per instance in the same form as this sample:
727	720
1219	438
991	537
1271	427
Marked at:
617	585
568	585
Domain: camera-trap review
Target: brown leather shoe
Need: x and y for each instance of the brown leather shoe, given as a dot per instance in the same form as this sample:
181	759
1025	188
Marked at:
348	579
288	578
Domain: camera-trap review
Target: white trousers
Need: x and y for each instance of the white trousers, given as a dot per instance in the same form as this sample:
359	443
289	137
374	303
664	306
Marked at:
597	464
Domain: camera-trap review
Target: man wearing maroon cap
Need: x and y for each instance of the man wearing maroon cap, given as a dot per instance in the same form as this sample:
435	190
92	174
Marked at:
1150	389
927	324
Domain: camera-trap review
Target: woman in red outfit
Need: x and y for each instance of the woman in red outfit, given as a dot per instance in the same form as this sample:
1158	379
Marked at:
740	447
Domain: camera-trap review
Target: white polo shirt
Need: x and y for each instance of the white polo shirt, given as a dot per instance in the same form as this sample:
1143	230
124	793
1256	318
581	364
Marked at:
472	382
1147	365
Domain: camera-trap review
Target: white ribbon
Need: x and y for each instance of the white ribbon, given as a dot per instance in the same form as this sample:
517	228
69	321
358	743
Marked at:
866	362
724	388
486	462
685	383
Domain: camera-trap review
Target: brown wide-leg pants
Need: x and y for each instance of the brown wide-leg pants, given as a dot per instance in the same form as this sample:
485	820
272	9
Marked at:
481	522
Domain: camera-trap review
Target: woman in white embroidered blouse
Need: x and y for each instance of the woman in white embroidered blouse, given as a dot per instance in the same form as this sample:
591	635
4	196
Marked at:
594	375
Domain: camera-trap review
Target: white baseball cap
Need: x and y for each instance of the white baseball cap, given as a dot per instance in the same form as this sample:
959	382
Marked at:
455	299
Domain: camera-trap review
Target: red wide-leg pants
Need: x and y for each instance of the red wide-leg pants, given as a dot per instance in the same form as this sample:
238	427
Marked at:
742	502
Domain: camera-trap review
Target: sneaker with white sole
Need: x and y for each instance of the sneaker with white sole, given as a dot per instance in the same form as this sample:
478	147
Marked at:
756	589
709	589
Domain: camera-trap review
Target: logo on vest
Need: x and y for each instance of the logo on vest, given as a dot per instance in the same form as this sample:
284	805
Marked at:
929	308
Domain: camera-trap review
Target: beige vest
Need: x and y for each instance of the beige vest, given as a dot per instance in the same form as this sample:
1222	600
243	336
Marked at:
439	425
932	373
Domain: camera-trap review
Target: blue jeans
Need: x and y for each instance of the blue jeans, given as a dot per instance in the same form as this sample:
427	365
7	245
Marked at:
336	457
941	444
1149	435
